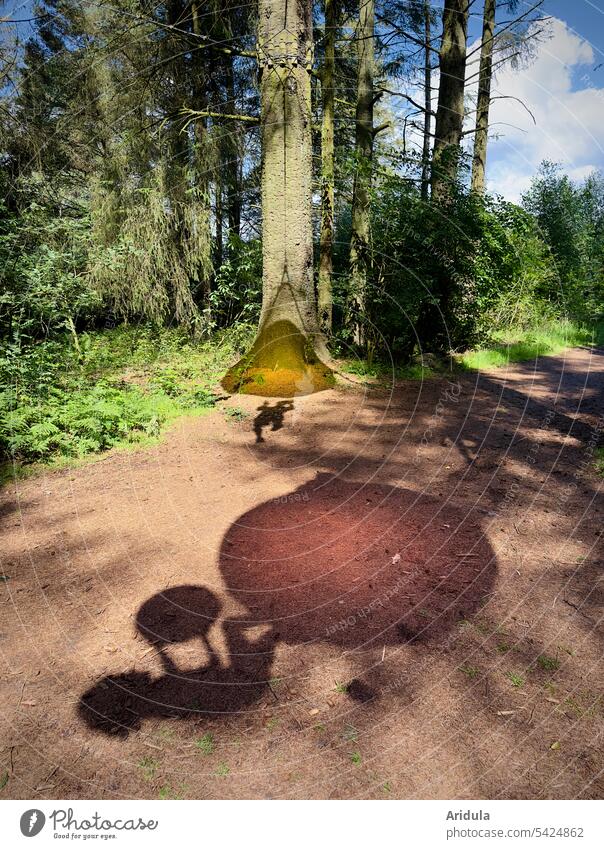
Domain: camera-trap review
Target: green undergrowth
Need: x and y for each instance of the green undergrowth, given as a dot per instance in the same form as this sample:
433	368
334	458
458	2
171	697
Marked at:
380	372
504	346
58	405
514	346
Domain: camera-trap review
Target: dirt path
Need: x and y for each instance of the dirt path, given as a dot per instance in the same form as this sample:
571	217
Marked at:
366	594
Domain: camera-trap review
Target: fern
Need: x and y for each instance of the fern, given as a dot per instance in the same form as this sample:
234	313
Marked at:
56	405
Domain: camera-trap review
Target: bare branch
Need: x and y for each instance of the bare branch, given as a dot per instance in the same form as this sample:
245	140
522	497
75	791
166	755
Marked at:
521	102
408	98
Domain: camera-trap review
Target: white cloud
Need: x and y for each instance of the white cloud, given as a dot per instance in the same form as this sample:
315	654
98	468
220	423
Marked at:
568	108
581	172
508	180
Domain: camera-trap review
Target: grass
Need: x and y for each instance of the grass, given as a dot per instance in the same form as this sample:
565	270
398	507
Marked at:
205	744
169	792
514	346
149	766
235	414
470	671
121	391
585	703
505	346
350	734
517	680
380	371
165	735
126	385
548	664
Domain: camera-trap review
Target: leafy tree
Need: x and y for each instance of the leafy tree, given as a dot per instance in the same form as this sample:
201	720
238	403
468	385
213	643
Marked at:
570	219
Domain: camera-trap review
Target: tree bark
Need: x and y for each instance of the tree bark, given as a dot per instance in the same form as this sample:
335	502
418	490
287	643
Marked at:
479	160
361	228
177	147
324	288
225	26
200	158
284	359
425	184
218	218
233	172
450	111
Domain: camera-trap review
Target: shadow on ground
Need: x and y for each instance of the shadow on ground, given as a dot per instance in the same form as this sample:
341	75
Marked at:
343	563
271	416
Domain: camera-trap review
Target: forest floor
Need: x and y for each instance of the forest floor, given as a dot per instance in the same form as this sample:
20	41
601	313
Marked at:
365	593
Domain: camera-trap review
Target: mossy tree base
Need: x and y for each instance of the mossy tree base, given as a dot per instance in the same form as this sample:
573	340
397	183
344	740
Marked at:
282	363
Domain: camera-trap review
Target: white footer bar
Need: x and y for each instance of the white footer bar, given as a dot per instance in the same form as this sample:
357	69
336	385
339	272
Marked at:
293	824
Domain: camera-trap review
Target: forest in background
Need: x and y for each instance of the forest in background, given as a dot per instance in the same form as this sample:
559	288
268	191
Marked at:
131	225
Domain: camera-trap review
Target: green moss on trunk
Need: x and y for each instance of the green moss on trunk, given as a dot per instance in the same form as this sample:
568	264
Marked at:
282	363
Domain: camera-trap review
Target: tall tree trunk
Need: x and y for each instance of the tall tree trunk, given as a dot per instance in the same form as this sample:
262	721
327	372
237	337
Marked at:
177	149
233	154
284	359
432	324
324	288
223	29
425	185
479	160
200	159
450	111
218	215
361	235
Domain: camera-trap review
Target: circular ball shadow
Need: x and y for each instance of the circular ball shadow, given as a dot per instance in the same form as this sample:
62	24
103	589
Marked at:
350	564
177	614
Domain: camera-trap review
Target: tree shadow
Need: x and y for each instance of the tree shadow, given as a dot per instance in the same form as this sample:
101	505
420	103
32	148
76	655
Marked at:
347	564
271	416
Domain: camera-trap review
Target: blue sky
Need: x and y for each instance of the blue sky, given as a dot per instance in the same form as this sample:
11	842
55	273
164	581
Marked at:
564	91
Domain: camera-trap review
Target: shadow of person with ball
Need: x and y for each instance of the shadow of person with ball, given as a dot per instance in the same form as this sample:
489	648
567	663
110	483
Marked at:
118	703
358	566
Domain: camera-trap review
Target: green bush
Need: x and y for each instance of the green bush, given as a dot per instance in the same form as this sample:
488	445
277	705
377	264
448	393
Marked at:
236	295
44	285
570	218
121	386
